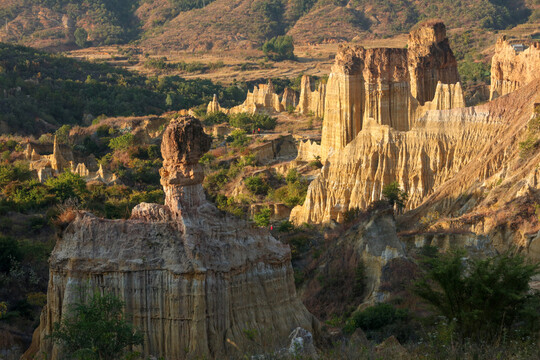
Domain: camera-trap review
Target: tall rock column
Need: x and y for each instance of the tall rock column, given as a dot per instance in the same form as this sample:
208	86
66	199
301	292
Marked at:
387	92
181	175
430	60
344	102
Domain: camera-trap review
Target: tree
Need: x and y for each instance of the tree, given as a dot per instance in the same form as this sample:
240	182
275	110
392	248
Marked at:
67	185
81	37
256	185
262	218
169	101
62	134
279	48
482	297
395	195
121	142
96	331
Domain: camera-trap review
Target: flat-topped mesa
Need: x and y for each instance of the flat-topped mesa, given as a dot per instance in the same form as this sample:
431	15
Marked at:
184	143
430	60
192	278
514	64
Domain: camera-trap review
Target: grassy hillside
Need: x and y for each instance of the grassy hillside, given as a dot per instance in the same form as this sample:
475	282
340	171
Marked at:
222	24
44	91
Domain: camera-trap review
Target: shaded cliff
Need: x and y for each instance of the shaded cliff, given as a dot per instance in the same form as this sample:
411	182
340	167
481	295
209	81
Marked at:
194	280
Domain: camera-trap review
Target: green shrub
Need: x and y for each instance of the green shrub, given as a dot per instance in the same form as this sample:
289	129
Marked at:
249	122
238	138
207	159
279	48
97	330
215	182
286	226
294	193
215	118
121	142
62	134
256	185
483	298
9	253
13	172
81	37
262	218
375	317
394	195
67	186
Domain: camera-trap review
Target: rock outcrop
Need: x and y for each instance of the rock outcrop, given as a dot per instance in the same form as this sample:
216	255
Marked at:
493	195
263	99
194	280
311	100
48	166
389	86
371	244
386	120
513	65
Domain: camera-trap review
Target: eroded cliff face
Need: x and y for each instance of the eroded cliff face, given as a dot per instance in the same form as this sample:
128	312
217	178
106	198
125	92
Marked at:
193	279
495	193
312	100
440	144
513	66
388	86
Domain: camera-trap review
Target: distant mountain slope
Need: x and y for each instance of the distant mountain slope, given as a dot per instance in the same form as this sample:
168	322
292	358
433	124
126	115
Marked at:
222	24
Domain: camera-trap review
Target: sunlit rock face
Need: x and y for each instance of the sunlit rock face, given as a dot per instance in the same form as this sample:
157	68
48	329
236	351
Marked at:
389	86
387	118
513	66
194	280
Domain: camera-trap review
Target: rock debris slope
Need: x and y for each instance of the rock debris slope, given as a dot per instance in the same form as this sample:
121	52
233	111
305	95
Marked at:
193	279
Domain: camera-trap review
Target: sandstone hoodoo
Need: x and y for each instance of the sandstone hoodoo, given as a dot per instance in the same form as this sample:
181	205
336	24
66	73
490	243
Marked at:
193	279
387	86
383	122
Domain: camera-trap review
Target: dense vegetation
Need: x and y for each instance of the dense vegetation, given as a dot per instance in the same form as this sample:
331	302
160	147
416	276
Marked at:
113	21
44	91
482	299
279	48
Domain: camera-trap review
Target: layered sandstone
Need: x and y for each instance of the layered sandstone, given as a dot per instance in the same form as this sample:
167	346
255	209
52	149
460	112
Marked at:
48	166
194	280
388	86
513	65
430	60
440	144
311	100
494	194
263	99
